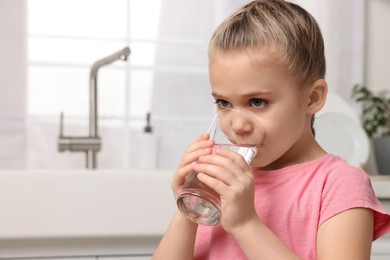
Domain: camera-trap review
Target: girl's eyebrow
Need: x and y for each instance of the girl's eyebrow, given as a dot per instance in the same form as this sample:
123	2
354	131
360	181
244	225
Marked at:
257	93
215	95
249	94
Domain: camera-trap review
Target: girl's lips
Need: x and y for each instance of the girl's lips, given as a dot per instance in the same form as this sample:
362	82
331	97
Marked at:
241	144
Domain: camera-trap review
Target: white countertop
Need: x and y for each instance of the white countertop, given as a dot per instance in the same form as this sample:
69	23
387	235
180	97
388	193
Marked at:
381	186
94	213
66	204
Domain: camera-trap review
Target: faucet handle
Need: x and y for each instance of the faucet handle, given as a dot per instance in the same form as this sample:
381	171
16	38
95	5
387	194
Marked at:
62	124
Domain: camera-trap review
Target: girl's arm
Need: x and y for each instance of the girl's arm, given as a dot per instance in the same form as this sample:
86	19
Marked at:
257	241
178	241
347	235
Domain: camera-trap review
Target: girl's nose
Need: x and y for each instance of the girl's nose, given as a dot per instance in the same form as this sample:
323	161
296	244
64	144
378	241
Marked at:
242	126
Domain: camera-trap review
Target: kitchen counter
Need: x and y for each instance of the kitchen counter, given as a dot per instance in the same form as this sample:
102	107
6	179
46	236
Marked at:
381	186
49	214
103	203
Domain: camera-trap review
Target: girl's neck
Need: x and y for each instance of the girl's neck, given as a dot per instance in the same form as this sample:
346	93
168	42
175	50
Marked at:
300	152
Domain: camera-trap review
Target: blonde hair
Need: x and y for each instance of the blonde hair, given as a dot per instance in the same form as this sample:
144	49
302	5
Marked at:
275	23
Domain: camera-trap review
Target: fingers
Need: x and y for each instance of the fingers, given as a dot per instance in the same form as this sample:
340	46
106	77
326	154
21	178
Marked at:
227	173
226	168
200	146
235	157
228	159
219	167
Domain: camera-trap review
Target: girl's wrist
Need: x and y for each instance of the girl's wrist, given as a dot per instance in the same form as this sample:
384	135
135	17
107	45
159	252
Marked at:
241	231
184	220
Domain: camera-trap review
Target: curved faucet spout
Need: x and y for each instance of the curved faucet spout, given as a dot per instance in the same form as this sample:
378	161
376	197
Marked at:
90	144
119	55
93	107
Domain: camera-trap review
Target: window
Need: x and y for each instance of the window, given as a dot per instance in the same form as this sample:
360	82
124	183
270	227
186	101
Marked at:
67	36
166	74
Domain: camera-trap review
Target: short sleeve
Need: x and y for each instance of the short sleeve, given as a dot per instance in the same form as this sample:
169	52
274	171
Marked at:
348	187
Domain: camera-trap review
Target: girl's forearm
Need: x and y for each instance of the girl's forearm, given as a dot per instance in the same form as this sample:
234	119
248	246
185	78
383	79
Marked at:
258	242
178	241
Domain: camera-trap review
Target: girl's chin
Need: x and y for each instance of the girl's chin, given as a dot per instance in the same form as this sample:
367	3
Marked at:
262	162
259	164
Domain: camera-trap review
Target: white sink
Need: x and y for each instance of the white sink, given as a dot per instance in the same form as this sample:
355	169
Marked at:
103	203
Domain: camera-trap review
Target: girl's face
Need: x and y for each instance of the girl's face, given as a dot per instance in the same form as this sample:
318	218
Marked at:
256	83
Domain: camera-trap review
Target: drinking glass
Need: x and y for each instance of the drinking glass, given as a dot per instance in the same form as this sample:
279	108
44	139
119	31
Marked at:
231	129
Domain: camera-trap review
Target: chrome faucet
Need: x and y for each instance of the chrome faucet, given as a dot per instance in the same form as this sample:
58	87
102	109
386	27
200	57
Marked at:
90	144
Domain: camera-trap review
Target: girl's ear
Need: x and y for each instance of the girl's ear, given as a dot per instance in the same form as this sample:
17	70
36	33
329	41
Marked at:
317	96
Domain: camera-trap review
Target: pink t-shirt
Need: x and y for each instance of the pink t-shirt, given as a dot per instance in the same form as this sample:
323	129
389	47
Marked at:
294	201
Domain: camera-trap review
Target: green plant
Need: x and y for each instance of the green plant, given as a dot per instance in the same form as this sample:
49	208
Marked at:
375	110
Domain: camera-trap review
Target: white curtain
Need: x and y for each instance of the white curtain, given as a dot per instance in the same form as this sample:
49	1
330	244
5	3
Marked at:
343	28
12	83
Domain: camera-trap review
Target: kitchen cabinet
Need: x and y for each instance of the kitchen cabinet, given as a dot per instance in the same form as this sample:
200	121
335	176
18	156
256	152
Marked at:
114	248
124	257
57	258
381	249
380	257
121	257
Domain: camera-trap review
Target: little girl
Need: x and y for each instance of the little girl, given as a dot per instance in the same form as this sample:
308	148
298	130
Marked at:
295	201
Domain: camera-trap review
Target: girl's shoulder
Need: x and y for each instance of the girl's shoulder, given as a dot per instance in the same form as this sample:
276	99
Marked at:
336	169
325	165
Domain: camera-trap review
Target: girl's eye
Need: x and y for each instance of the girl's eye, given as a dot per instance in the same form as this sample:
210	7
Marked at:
258	103
222	103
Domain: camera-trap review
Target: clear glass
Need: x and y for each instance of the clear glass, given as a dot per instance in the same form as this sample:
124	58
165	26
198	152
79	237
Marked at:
197	201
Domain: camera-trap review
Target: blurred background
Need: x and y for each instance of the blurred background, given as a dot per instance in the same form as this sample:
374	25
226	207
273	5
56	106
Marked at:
47	48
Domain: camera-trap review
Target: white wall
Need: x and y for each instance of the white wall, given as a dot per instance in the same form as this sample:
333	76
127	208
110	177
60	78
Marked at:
12	83
378	44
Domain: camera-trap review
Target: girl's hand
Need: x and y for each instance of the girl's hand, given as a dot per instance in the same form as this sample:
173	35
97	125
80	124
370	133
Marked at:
200	146
230	176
